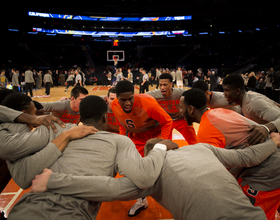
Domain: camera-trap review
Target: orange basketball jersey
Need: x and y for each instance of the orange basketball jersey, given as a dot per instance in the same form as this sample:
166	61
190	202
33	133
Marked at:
146	114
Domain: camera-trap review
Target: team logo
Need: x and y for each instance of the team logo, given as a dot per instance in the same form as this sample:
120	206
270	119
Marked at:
252	192
130	123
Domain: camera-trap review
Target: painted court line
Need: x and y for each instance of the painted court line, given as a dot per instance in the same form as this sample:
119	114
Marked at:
13	200
10	193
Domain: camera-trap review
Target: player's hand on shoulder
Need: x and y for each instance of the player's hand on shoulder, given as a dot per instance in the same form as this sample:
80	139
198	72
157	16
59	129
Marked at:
80	131
48	121
258	134
169	144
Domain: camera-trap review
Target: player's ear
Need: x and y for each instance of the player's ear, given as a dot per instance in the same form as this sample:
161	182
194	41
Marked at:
104	118
238	91
190	110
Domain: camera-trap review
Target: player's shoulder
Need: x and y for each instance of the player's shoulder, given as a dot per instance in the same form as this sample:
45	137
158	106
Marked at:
256	100
178	91
221	114
144	97
155	93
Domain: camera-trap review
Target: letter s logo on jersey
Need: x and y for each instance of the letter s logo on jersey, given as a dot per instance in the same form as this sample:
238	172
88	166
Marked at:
252	192
130	123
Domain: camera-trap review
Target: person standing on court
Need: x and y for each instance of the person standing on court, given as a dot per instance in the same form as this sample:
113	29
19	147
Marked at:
15	80
158	73
62	78
179	78
78	79
29	82
48	81
145	81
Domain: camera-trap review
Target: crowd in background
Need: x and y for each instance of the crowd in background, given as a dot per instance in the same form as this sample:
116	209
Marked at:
265	82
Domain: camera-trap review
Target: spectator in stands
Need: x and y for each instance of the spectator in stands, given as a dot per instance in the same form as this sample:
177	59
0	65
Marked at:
88	78
190	77
213	81
252	81
276	86
268	85
260	85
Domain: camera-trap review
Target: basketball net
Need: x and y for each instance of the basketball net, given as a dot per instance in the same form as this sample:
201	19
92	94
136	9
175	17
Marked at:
116	61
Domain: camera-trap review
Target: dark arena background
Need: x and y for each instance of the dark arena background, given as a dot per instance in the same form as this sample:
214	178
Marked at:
230	36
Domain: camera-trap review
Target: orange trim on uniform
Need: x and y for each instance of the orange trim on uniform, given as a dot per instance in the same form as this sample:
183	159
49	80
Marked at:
269	201
209	134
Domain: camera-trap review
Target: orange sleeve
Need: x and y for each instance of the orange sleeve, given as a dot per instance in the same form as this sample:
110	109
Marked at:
209	134
122	130
157	113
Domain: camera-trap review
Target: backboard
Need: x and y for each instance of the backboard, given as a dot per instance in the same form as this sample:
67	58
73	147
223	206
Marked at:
115	53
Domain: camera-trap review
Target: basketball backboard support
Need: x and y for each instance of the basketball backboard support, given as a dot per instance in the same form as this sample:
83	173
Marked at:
115	53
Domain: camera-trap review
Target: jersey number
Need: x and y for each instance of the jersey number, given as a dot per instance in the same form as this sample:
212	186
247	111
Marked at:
130	123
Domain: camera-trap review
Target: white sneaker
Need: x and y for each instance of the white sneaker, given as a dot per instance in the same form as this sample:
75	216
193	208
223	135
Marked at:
142	203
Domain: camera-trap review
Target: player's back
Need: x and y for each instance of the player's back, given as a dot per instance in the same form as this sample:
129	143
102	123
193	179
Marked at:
224	128
92	155
202	187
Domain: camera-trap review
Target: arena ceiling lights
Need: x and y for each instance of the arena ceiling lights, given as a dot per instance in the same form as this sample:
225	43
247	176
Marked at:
110	34
109	19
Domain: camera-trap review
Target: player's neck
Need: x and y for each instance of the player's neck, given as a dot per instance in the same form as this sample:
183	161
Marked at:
99	126
201	112
240	98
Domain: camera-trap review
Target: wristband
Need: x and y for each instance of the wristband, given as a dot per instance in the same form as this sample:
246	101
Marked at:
160	146
266	128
